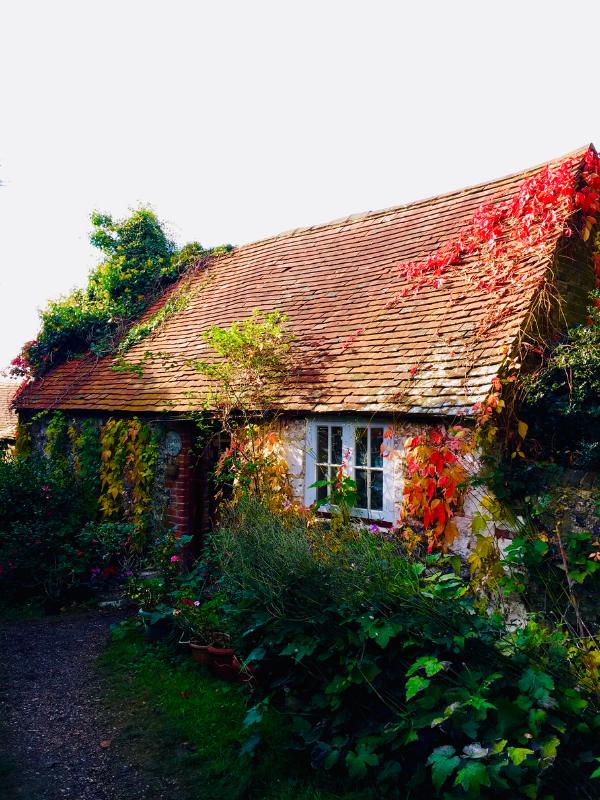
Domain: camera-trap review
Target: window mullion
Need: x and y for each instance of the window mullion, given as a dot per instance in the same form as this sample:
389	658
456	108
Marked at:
348	446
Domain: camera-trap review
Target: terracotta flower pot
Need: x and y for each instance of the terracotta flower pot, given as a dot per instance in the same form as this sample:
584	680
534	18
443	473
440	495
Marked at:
226	667
200	654
222	653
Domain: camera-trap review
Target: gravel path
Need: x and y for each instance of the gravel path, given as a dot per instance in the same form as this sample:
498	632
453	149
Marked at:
59	738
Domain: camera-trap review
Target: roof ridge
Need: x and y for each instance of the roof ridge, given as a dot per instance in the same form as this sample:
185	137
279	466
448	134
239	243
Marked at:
335	223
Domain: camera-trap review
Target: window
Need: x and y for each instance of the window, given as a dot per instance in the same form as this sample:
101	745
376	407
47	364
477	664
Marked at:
356	446
330	456
368	470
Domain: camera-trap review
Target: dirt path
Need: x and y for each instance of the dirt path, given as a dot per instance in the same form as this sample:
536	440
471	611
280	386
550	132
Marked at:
51	708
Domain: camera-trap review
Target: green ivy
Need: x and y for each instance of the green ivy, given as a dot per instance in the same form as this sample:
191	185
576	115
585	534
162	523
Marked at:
562	397
139	262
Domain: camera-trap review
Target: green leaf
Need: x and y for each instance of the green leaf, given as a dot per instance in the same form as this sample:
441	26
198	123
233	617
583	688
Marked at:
472	776
256	655
298	648
254	715
536	684
429	664
415	685
443	762
331	759
518	754
479	523
384	632
250	744
357	762
549	748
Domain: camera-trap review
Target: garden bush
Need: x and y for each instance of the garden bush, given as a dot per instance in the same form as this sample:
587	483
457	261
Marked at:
389	672
49	546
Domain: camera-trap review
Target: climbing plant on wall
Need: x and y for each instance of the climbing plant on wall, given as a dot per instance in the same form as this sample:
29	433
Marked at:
248	363
129	450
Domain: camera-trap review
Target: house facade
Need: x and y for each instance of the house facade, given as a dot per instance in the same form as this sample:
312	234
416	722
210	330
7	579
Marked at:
384	348
8	418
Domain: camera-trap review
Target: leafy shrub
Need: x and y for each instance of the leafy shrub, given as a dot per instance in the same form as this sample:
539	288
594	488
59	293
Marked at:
388	671
562	398
139	262
48	546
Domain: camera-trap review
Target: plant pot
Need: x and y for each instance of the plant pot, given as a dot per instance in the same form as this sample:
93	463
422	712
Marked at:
222	653
200	654
226	667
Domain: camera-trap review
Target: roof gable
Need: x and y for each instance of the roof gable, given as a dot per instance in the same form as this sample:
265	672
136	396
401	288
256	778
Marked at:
360	349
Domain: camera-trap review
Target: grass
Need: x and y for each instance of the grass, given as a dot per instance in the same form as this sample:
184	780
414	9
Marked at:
181	722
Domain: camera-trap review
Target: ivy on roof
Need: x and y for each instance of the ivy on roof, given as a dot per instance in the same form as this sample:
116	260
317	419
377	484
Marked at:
139	262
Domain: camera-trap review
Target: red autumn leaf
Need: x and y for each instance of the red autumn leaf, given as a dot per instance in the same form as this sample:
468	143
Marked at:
436	437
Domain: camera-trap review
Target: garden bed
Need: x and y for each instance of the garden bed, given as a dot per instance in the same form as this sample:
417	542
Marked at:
185	723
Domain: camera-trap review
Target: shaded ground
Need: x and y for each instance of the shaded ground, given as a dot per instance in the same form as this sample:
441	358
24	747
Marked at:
58	741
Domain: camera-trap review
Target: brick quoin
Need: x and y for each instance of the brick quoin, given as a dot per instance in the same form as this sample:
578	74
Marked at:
180	487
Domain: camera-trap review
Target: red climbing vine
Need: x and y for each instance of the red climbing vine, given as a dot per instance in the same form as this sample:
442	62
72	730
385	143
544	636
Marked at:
435	478
500	234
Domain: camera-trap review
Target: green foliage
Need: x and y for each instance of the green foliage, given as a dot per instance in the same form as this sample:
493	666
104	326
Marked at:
562	398
48	547
139	262
253	357
185	724
390	673
50	540
129	449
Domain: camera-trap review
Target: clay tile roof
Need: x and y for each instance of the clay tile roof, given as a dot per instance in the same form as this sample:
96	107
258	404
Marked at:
418	357
8	418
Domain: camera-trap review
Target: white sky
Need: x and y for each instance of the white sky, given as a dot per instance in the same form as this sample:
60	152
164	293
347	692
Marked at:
237	120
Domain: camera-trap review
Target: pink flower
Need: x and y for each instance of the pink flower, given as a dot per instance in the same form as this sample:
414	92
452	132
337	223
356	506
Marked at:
175	558
196	603
176	612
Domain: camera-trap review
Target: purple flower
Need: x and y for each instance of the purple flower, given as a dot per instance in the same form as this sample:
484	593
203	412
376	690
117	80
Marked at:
373	528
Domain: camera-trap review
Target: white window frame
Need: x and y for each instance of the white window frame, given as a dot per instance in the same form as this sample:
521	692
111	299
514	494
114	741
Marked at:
349	425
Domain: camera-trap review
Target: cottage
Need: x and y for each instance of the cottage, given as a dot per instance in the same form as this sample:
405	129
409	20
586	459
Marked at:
401	318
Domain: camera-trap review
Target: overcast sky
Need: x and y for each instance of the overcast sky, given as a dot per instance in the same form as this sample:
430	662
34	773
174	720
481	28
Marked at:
237	120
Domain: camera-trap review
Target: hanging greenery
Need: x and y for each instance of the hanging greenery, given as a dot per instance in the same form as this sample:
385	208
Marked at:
128	455
139	262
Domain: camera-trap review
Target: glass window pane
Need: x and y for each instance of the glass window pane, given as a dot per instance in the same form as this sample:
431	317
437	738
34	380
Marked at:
377	490
376	442
361	447
321	476
361	486
336	445
322	444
